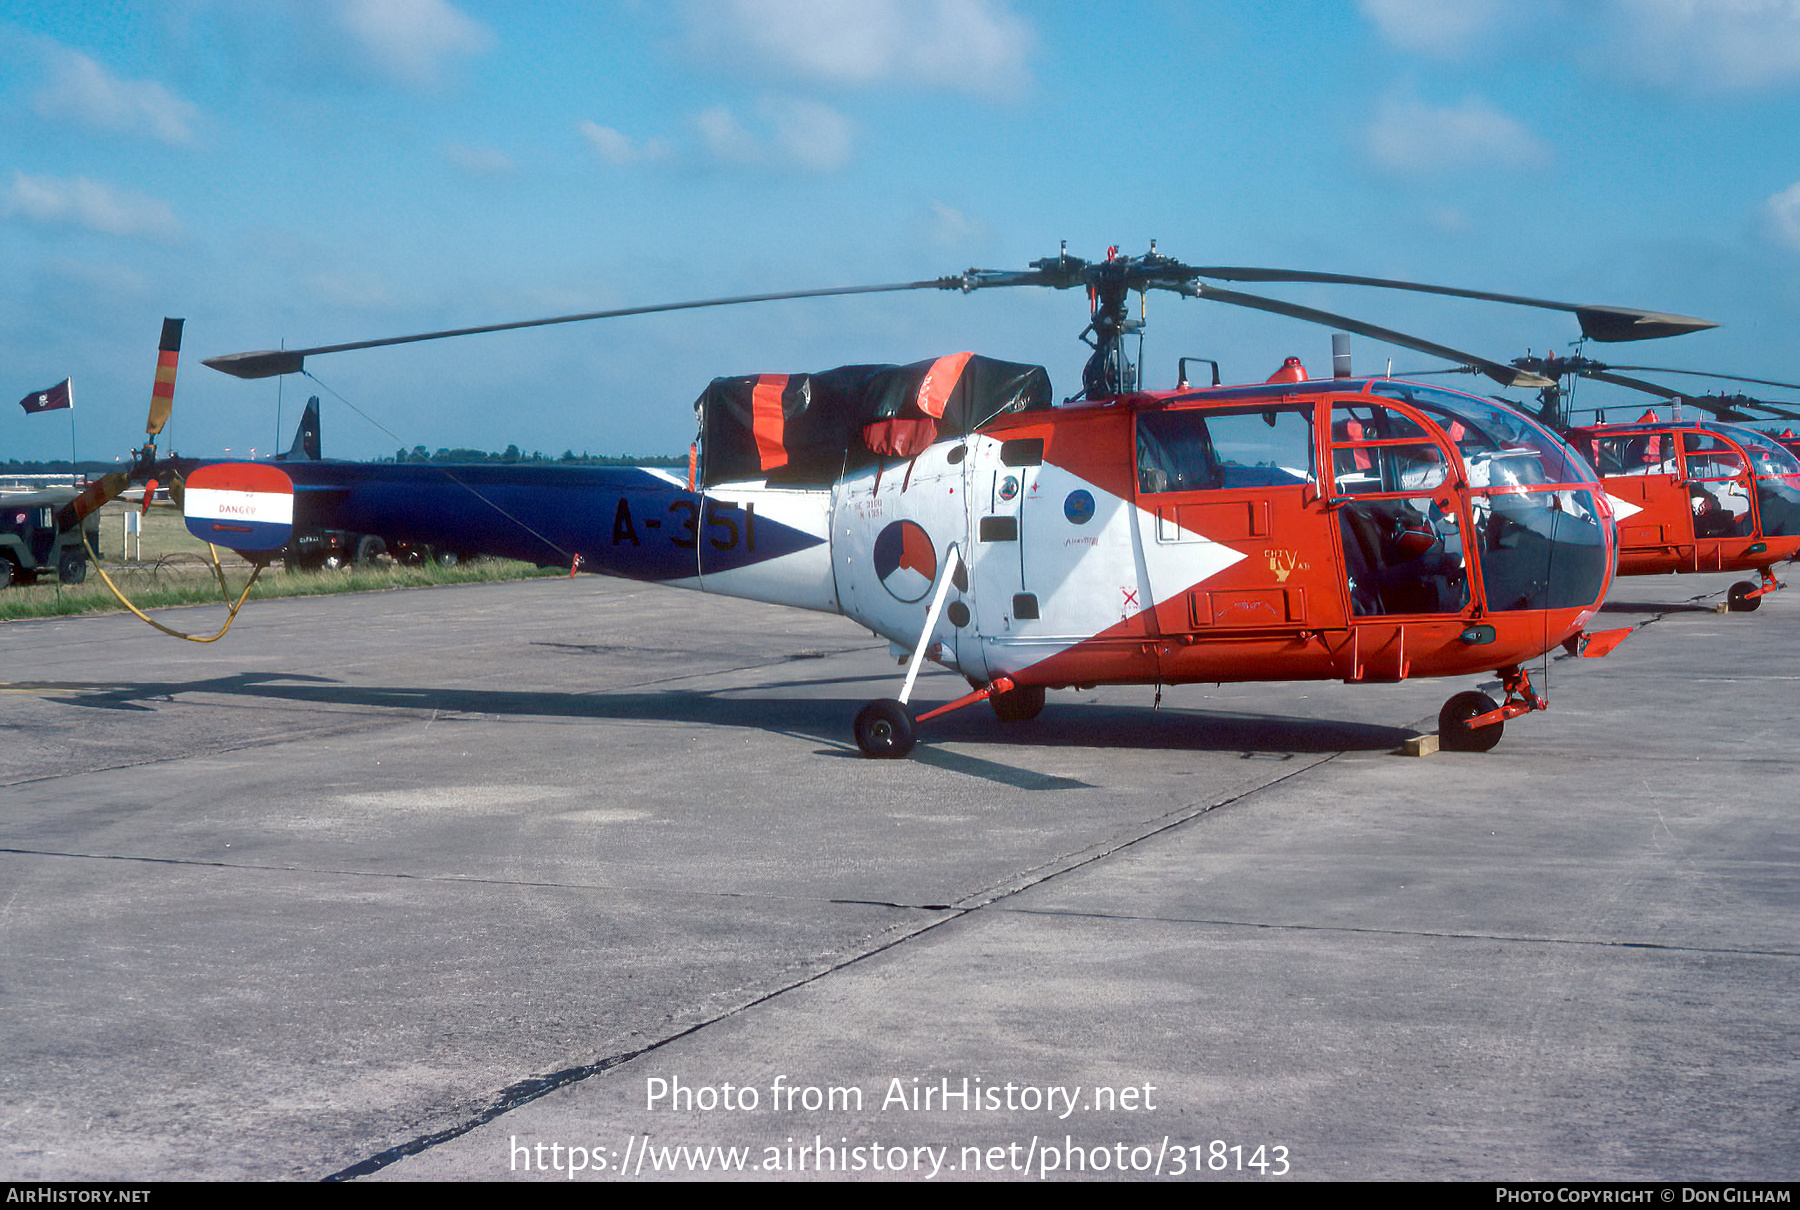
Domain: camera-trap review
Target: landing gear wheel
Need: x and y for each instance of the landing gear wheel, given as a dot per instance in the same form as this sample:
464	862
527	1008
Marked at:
1739	600
884	730
72	567
1019	705
368	549
1454	732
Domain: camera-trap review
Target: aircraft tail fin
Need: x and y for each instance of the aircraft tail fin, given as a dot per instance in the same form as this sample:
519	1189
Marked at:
306	437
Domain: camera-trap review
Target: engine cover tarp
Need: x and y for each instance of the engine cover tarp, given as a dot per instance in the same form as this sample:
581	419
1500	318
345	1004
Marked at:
806	430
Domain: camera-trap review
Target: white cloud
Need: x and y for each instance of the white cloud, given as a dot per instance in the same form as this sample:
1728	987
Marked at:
480	161
1781	218
618	148
808	134
80	202
95	282
78	89
1446	29
947	227
725	137
973	46
1687	46
1409	136
362	291
411	42
1704	45
799	134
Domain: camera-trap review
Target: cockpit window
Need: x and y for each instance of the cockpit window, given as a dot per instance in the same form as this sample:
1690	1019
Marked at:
1186	450
1767	456
1710	457
1502	448
1540	550
1380	450
1539	545
1634	454
1372	422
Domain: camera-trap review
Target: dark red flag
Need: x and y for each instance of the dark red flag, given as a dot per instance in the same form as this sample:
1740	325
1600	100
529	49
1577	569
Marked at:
47	400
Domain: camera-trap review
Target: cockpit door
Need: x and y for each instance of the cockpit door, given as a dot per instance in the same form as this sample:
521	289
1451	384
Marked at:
1641	471
1400	523
1721	500
1240	539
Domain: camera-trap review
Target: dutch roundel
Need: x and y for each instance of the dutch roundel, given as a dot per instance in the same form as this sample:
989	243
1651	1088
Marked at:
905	560
240	505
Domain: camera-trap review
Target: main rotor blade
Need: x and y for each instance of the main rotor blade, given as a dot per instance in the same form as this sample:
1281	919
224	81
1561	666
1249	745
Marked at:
268	363
1602	323
1740	407
1762	406
1635	384
1505	375
1763	382
1724	410
1717	411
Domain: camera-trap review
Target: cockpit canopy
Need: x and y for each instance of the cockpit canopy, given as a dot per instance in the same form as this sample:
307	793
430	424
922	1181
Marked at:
1421	479
1375	448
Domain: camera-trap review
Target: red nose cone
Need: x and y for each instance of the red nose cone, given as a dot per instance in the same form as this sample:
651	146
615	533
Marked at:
1291	371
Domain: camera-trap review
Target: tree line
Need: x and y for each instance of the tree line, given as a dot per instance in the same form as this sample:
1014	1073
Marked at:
418	453
512	453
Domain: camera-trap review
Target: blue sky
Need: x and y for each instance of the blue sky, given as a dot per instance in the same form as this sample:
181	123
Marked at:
320	171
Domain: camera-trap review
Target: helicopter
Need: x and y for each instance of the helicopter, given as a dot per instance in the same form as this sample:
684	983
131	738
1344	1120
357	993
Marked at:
1367	530
1690	495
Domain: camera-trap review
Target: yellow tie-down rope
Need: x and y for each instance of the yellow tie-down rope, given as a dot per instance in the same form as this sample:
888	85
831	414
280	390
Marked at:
224	589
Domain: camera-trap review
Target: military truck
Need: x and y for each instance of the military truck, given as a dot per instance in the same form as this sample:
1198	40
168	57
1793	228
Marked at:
30	545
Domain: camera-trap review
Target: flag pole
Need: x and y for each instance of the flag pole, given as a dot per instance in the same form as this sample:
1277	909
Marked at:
278	381
74	471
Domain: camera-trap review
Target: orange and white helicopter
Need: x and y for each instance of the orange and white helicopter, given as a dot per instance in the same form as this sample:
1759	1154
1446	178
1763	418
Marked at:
1689	495
1350	529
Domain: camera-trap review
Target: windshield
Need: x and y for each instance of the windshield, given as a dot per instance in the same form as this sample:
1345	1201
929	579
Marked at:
1539	544
1767	456
1502	448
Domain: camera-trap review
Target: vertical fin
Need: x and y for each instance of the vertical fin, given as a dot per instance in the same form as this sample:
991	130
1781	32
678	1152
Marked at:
306	438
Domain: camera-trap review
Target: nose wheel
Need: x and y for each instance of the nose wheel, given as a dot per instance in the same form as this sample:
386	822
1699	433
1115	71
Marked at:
1454	732
1746	595
1471	722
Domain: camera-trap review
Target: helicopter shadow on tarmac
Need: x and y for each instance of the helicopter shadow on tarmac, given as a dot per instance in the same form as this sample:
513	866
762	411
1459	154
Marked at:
1697	605
826	720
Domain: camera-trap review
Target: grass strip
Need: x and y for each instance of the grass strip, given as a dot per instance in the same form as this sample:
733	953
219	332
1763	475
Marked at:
188	580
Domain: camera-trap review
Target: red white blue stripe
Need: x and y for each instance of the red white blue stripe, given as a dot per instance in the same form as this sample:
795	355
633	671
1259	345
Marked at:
240	505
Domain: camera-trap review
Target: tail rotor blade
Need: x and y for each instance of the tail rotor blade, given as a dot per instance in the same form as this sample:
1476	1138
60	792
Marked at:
162	395
92	498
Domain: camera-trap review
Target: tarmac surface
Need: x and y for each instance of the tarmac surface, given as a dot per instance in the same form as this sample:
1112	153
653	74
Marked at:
535	880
